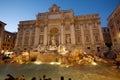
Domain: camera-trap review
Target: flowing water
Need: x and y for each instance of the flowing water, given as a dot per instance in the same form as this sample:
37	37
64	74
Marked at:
78	72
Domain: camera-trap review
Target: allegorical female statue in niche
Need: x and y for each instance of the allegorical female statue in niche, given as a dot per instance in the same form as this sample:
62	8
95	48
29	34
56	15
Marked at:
68	39
53	42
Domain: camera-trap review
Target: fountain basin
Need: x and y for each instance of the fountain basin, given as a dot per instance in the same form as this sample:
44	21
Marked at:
79	72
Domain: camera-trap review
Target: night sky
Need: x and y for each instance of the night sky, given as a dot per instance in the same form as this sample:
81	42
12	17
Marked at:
13	11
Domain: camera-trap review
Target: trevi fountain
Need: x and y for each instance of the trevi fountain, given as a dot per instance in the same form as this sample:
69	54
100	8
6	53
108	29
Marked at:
56	61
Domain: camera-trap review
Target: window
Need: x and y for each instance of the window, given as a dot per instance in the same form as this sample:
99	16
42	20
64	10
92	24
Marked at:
67	28
115	40
9	40
115	14
42	29
78	39
33	29
0	31
118	21
77	26
20	40
98	49
86	25
68	39
26	40
87	39
104	30
108	30
96	38
94	25
88	47
41	39
32	40
111	27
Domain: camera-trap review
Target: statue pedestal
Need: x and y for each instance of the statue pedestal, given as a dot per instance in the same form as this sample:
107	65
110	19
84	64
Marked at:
52	49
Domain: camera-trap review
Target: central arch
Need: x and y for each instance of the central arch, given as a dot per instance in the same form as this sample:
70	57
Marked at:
54	30
54	37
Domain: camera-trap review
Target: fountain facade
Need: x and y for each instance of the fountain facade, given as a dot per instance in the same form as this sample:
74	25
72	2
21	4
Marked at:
57	54
60	27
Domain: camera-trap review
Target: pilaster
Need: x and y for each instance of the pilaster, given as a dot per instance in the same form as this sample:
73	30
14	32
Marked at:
36	36
91	34
101	35
83	38
45	35
23	39
62	35
72	34
30	34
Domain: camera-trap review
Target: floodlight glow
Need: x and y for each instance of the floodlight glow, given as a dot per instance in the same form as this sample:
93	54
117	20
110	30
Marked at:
52	63
37	62
94	63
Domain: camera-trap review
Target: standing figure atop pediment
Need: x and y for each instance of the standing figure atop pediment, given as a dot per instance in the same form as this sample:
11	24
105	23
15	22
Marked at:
54	8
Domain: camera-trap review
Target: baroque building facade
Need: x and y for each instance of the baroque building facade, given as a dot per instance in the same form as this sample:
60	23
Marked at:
106	36
7	39
60	27
8	42
114	27
2	25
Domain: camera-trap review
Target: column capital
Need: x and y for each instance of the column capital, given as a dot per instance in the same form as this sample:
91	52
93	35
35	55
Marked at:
37	25
72	23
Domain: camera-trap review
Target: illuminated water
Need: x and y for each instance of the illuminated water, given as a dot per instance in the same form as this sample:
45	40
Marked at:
91	72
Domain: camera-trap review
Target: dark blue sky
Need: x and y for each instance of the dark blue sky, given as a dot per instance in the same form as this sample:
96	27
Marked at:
13	11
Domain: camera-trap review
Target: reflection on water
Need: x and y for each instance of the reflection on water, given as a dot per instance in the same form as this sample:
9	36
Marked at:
78	72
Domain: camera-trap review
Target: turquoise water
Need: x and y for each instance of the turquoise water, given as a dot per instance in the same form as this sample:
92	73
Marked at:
88	72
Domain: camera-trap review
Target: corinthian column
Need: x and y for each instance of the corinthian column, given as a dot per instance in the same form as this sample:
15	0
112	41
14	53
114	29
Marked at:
82	33
36	42
23	39
62	35
72	33
101	35
45	35
91	34
30	33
